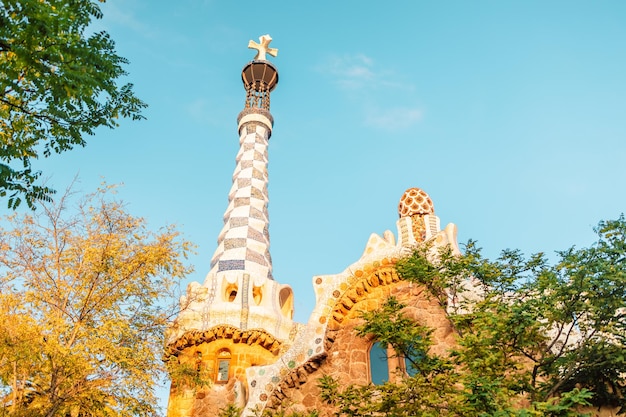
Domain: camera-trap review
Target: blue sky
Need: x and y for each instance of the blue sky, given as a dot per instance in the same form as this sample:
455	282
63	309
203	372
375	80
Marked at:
510	114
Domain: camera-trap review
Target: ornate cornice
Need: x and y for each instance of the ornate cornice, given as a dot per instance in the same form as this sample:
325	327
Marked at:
249	337
365	284
256	116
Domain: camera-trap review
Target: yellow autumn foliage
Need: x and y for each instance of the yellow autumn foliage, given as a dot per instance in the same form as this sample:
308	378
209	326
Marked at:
83	306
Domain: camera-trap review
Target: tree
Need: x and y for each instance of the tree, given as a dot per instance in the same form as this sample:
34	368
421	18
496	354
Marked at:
58	83
82	310
534	338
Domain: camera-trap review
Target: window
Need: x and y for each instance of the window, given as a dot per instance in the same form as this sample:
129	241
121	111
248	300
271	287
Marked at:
409	368
230	292
223	366
257	294
379	364
285	299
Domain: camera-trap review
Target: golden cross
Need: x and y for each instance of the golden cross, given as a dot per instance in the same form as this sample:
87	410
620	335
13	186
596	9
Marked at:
263	48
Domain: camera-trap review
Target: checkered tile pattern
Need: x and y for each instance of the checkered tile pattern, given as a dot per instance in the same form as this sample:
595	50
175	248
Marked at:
243	243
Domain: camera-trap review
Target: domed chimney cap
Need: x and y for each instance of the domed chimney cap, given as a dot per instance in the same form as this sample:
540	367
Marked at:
414	202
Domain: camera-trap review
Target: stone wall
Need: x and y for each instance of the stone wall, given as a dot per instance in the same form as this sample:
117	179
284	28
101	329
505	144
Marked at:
347	358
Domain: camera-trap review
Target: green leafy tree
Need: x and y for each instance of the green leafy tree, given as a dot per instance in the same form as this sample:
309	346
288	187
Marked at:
430	391
84	296
58	83
534	338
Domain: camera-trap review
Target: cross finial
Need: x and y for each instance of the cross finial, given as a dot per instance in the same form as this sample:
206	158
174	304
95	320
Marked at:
263	48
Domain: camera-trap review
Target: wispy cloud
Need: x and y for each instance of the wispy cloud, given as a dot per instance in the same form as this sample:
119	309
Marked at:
358	71
351	71
396	118
365	82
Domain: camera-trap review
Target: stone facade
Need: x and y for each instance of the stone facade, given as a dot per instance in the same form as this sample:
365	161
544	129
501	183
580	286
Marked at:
269	372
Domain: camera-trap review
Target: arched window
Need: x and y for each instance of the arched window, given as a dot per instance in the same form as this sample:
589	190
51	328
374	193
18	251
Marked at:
410	363
408	368
257	294
379	364
230	292
223	366
285	299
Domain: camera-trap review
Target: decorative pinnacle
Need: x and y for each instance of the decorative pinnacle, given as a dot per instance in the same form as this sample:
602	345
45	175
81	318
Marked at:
263	48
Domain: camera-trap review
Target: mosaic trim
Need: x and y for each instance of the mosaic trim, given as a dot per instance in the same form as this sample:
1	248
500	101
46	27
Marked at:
296	377
206	310
256	235
258	156
256	193
242	201
231	265
415	201
255	257
258	175
277	312
253	110
363	284
252	125
434	226
234	243
419	228
257	214
249	337
245	307
244	182
238	221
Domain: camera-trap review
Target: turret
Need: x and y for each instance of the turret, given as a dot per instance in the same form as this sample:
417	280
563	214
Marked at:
240	317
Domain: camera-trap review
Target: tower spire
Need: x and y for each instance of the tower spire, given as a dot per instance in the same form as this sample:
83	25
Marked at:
243	243
240	317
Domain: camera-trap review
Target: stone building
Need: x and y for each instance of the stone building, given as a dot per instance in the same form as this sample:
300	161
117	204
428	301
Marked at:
237	330
235	341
